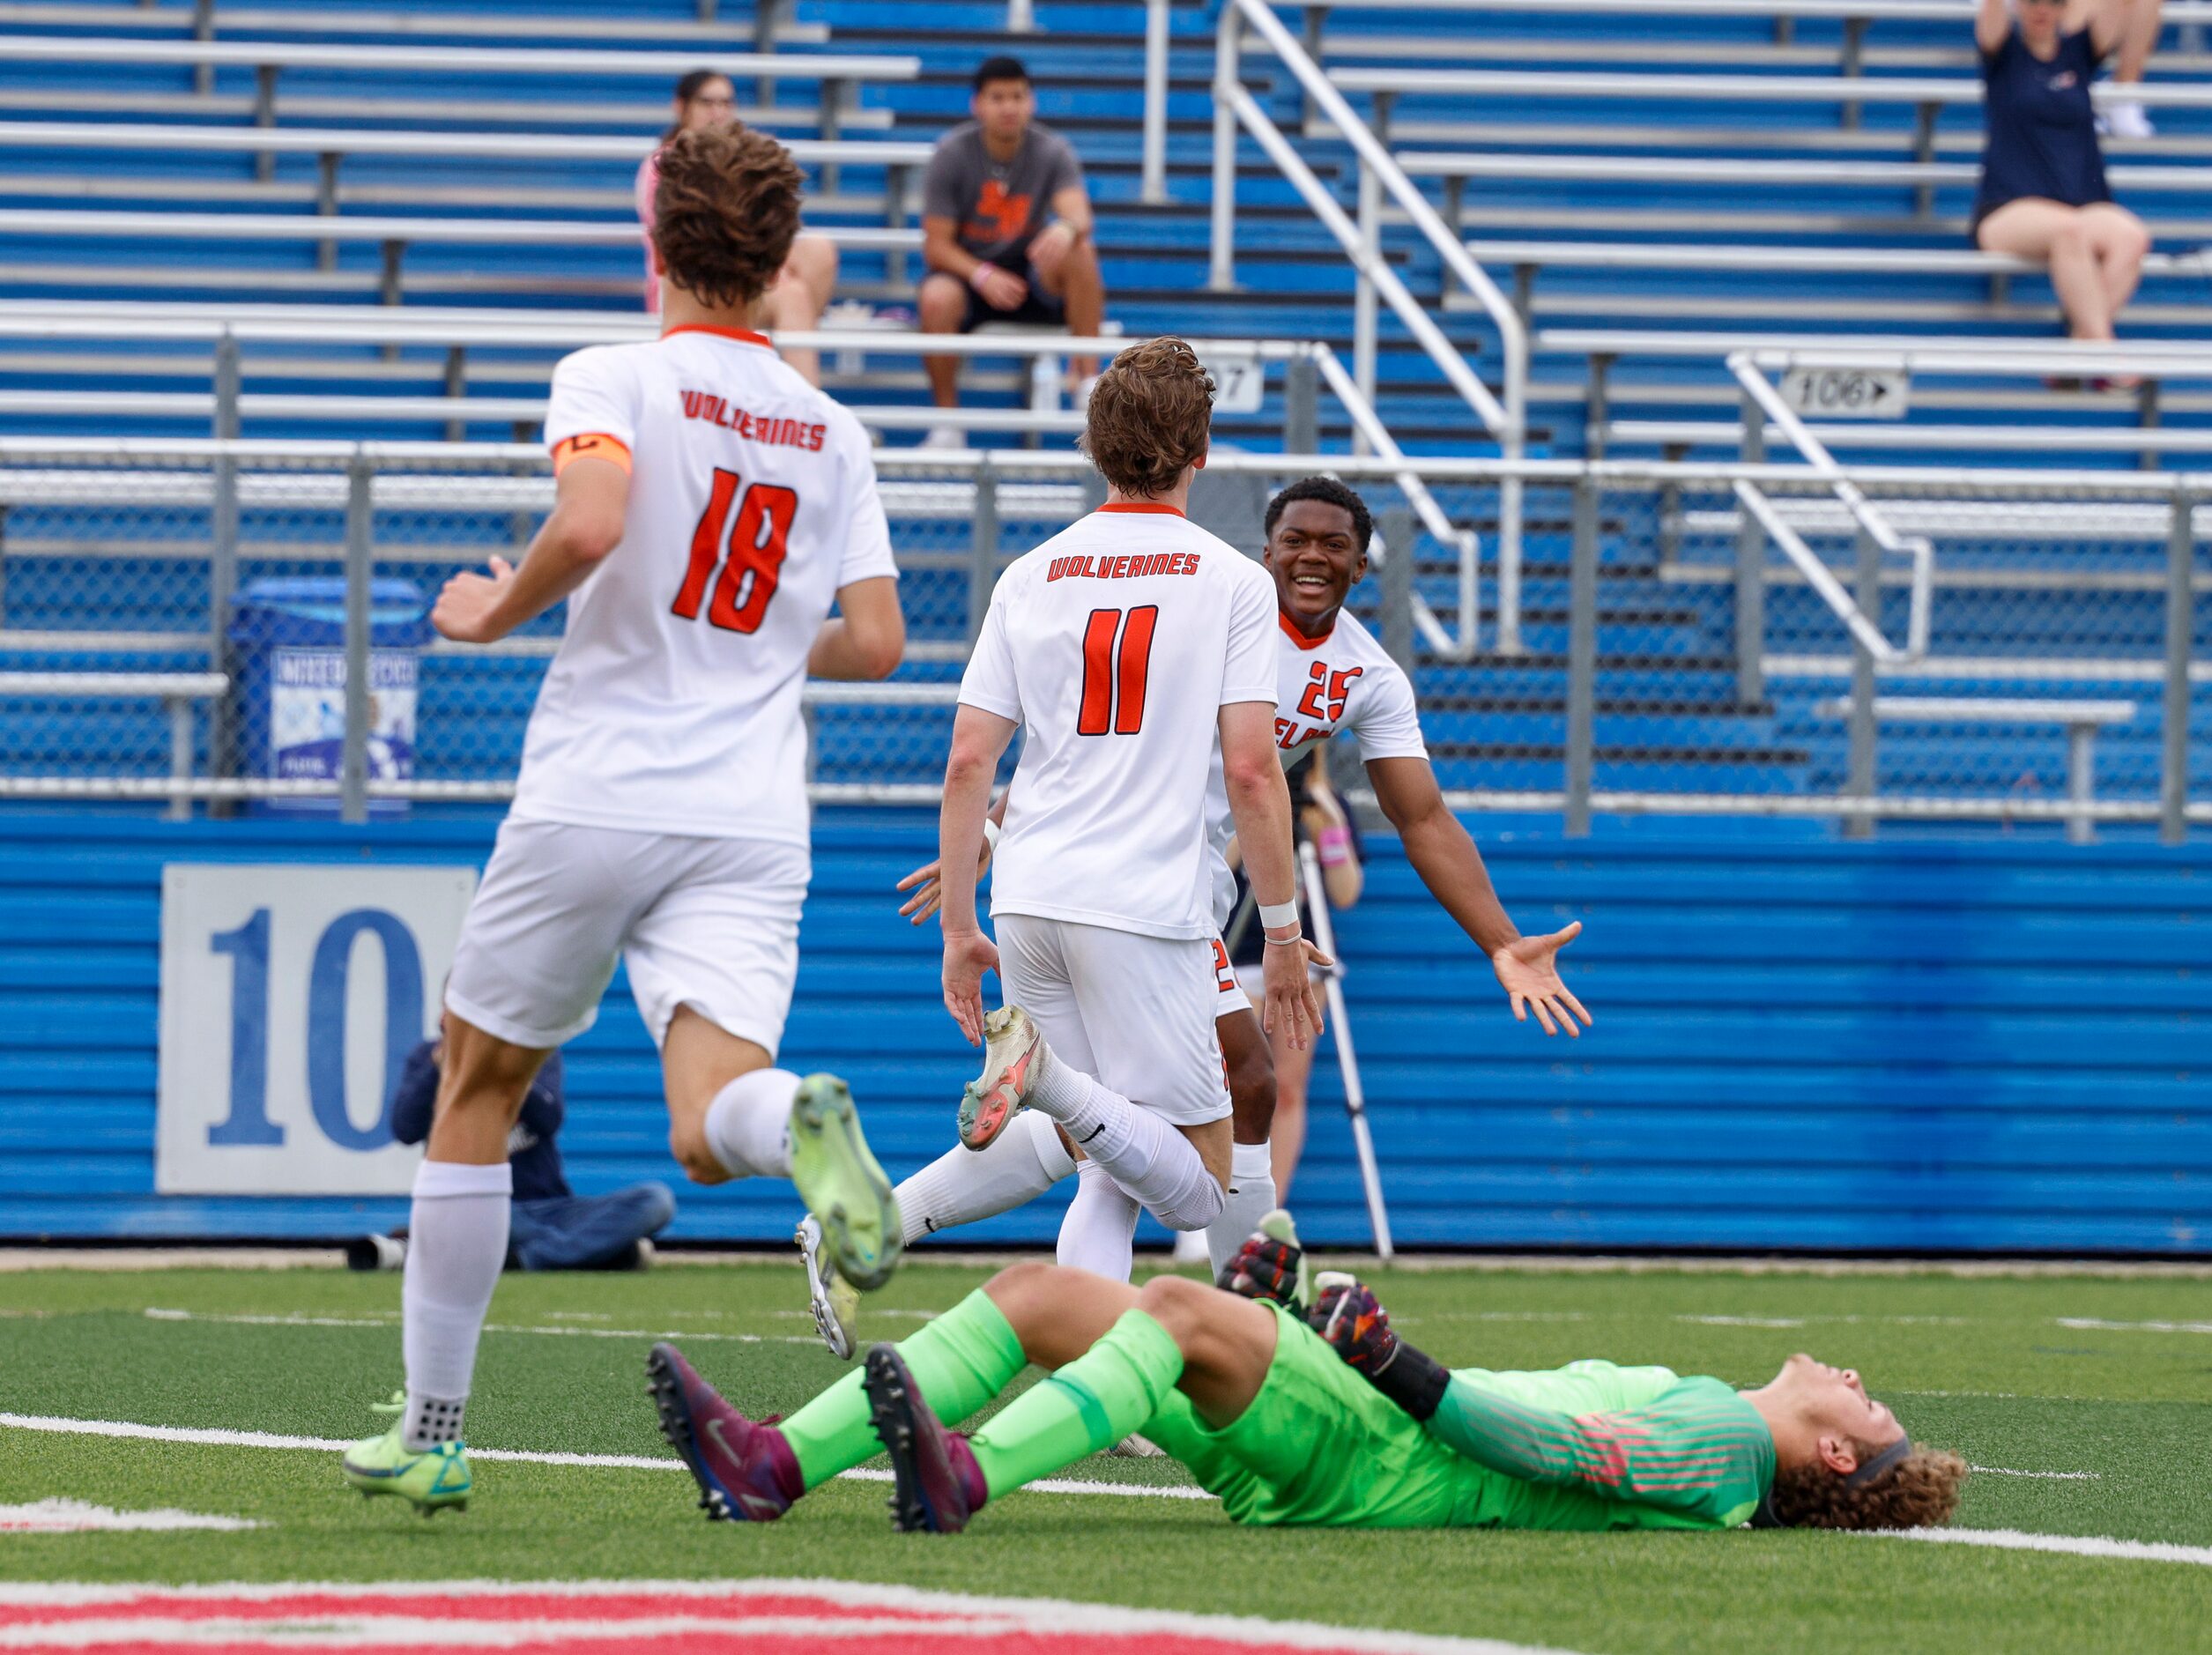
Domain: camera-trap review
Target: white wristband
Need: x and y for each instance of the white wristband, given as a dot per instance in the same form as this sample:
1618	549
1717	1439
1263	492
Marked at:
1275	915
991	833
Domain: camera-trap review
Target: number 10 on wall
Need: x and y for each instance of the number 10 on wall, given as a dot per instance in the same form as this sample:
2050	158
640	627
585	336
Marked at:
289	995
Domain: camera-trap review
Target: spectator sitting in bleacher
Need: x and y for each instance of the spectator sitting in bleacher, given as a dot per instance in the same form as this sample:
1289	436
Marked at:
551	1227
1005	232
795	304
2043	191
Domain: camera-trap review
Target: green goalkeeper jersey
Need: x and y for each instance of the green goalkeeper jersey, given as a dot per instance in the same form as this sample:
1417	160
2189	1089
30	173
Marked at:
1659	1450
1587	1446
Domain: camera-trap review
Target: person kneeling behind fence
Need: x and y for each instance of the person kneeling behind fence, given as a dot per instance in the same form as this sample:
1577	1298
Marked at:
552	1227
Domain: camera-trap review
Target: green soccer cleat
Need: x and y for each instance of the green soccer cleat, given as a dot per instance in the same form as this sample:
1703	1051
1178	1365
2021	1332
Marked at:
1277	1227
430	1480
842	1184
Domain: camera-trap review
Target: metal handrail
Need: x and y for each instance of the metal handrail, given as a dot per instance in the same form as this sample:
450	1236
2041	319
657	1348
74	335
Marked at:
1921	550
1505	419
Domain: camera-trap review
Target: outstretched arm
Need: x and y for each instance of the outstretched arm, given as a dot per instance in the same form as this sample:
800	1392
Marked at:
1625	1454
1445	856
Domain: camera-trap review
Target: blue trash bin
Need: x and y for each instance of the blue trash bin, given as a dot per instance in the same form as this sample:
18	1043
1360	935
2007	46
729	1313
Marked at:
289	636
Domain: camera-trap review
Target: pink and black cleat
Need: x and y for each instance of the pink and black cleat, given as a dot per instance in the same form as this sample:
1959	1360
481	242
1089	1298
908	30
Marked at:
746	1471
937	1485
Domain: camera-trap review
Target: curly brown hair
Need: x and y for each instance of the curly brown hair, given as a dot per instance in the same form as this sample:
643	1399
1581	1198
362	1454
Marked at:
1149	415
1919	1491
724	214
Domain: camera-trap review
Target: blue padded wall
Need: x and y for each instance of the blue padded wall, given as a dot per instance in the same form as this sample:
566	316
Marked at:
1956	1044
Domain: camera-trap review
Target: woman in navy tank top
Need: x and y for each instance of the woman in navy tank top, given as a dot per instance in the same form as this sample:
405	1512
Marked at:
2042	176
2042	192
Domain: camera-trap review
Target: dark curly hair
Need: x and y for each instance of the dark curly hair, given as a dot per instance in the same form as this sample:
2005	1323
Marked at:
724	214
1148	418
1329	491
1919	1491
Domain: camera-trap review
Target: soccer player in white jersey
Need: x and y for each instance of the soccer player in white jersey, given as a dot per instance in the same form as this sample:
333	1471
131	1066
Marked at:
1333	678
710	507
1138	652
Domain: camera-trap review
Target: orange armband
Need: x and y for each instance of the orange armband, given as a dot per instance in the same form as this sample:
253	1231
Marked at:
591	445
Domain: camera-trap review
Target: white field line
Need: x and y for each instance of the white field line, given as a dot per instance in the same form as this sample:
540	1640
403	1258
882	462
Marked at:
2093	1325
1039	1617
2072	1545
2055	1476
392	1323
75	1516
2010	1540
214	1439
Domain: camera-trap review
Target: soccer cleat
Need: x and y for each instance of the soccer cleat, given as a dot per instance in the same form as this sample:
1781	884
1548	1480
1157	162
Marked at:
746	1471
936	1485
430	1479
842	1186
1014	1056
833	1300
1277	1226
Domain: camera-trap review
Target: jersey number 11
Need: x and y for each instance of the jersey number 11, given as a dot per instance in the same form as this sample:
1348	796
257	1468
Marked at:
1114	678
756	551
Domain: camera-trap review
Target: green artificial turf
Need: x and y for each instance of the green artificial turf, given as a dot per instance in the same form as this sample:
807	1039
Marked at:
1987	1366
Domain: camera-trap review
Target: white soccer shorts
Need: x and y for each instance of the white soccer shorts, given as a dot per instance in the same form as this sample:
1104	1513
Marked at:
711	924
1133	1013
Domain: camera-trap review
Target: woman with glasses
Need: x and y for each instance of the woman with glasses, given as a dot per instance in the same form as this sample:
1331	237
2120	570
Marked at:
802	292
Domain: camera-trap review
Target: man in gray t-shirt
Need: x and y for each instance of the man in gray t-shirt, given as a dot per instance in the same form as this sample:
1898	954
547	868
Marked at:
1006	231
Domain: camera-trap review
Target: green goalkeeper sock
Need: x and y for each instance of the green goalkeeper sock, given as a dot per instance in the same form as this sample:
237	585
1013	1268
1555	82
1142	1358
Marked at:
1091	1404
960	1361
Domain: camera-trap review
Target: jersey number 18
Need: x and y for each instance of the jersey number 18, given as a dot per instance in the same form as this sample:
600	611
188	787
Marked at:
756	552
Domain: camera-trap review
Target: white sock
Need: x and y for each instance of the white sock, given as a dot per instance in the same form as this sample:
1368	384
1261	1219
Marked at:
1251	1196
1147	1157
963	1186
1099	1231
749	1124
456	1245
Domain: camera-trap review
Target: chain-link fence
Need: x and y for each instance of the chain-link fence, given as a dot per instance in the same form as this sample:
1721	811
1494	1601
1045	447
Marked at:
217	623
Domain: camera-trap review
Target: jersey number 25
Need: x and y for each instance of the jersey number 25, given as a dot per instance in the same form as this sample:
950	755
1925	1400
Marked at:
756	551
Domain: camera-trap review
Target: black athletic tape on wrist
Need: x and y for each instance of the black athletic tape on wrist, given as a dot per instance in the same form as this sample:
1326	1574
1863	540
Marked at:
1413	1379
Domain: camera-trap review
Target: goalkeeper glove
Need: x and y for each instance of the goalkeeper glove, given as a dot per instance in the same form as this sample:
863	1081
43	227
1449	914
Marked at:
1355	1326
1265	1267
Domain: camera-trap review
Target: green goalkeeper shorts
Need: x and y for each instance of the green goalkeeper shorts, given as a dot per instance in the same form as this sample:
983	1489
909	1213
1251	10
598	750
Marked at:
1319	1444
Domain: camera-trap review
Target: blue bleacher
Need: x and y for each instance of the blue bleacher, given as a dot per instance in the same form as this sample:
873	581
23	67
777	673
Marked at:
2000	1023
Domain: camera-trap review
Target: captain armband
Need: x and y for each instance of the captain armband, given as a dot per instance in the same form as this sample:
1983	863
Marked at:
590	445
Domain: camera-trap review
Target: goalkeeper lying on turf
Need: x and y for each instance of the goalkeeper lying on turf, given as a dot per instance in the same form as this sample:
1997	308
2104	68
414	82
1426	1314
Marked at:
1320	1413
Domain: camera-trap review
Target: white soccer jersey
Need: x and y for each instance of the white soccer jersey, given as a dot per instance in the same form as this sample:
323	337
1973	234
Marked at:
672	706
1117	644
1342	680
